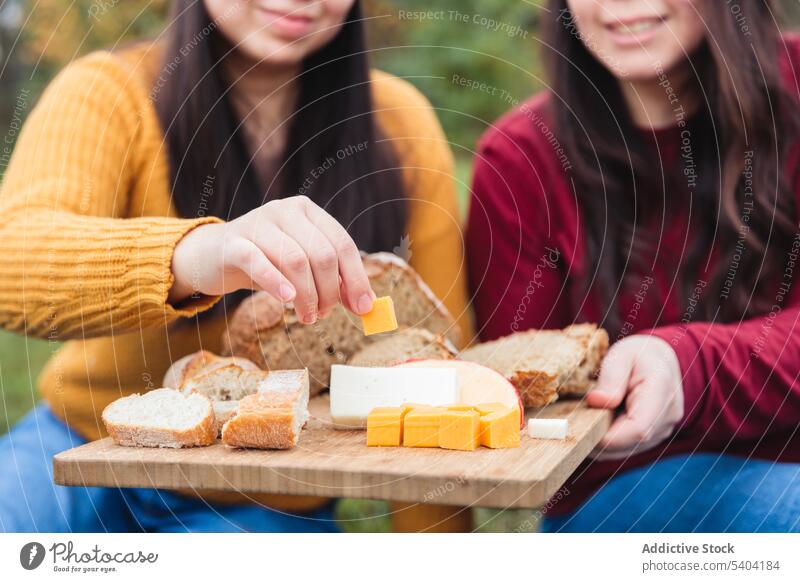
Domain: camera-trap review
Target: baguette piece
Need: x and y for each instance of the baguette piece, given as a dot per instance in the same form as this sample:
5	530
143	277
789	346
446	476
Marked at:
161	418
268	333
200	361
545	363
273	417
406	344
230	382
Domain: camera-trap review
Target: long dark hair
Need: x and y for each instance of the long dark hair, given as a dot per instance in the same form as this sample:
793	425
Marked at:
746	122
210	169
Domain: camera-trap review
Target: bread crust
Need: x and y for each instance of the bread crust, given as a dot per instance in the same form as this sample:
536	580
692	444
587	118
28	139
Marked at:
595	344
266	420
268	429
571	374
130	435
202	361
435	347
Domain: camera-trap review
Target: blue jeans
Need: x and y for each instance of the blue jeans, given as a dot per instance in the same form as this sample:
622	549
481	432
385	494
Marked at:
31	502
703	492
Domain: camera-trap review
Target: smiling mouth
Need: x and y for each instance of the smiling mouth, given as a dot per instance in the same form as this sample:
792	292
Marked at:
635	27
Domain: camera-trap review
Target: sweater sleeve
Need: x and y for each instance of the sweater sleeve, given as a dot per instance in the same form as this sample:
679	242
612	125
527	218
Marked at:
74	264
740	380
514	263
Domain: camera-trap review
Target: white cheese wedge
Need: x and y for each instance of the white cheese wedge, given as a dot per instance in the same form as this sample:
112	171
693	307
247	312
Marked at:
356	391
547	428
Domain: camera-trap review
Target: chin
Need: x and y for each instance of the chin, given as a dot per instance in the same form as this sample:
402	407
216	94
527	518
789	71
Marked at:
635	70
274	52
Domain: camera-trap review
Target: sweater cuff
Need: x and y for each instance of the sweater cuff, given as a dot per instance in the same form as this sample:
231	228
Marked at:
693	376
149	269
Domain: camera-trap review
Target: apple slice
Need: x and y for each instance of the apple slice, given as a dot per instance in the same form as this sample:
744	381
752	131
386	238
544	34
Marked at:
477	384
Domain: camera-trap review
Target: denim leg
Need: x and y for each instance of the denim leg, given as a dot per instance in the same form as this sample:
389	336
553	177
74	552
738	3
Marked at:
693	493
30	501
158	510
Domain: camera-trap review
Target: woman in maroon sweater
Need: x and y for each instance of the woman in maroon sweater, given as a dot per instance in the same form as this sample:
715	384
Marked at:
653	189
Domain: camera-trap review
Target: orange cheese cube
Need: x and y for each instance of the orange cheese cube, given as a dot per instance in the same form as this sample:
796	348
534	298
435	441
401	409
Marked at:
489	407
381	318
421	427
460	430
500	429
462	407
385	427
412	405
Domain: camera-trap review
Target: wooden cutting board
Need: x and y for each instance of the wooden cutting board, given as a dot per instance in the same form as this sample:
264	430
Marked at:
338	463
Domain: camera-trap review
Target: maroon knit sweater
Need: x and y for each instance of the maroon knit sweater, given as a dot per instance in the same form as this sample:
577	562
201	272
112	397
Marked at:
525	244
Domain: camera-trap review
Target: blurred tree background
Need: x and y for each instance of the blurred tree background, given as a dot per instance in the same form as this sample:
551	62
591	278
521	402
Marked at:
459	45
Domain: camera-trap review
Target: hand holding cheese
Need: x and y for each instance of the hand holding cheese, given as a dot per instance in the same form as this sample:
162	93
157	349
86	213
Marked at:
290	248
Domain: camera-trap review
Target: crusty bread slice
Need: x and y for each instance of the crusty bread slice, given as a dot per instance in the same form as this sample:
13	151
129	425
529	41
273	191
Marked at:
273	417
269	333
197	362
406	344
161	418
229	382
545	363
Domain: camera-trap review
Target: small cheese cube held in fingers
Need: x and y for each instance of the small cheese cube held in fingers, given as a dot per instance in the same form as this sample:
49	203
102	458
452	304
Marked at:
459	430
547	428
385	427
381	318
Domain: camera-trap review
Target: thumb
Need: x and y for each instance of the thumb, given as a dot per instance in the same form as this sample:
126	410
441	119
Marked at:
612	383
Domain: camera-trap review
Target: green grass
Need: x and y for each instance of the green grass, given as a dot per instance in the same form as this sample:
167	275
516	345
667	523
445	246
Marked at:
21	359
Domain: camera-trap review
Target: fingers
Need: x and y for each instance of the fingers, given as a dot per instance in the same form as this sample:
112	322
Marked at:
322	258
250	260
612	383
357	293
290	258
607	450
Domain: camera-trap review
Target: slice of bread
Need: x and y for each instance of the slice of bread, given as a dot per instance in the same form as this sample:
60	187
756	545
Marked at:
406	344
545	363
268	333
273	417
229	382
201	361
161	418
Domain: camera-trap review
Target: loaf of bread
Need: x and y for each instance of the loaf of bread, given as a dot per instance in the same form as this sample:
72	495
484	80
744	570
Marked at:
161	418
268	333
543	364
406	344
273	417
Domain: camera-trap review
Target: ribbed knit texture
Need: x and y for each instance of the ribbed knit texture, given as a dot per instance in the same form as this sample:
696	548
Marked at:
87	231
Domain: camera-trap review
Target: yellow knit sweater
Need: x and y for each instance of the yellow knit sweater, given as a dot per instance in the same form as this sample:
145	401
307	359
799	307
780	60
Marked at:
87	231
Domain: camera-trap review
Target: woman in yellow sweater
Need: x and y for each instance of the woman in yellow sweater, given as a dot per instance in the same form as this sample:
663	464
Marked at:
249	147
